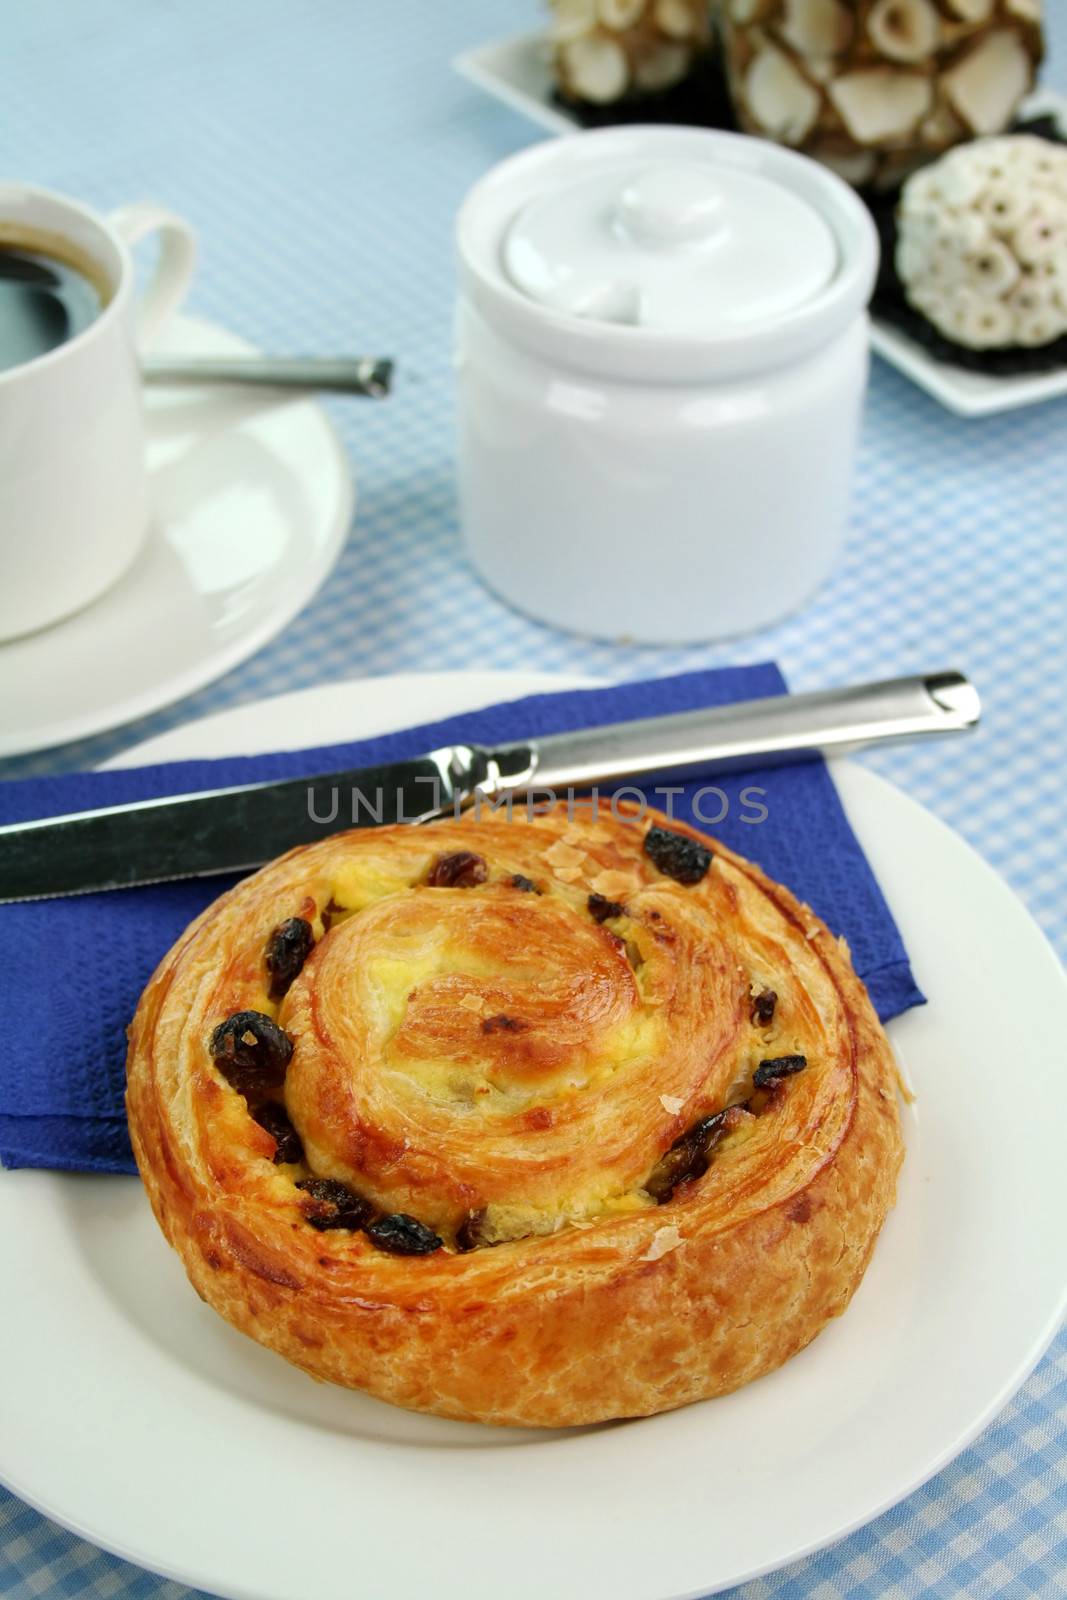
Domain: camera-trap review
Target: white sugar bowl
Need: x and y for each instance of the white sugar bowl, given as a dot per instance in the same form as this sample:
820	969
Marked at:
662	350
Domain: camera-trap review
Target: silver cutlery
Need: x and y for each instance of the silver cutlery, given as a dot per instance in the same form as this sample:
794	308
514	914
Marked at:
362	375
240	827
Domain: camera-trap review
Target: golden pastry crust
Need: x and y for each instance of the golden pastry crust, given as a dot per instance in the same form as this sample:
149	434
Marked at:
507	1061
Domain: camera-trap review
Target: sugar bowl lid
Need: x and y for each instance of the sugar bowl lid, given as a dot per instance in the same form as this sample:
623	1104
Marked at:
675	245
664	255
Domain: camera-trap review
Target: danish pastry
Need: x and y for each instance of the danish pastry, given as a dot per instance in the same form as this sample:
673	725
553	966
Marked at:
537	1120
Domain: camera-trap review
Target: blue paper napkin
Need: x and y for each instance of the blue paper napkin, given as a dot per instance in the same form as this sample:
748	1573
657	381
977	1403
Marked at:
71	970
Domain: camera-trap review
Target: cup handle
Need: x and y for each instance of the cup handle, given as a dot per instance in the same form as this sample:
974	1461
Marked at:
174	270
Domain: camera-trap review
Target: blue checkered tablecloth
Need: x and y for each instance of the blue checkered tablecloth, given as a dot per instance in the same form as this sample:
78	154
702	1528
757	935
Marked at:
321	149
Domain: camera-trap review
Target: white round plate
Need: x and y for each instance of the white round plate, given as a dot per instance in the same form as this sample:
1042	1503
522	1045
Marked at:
146	1424
252	500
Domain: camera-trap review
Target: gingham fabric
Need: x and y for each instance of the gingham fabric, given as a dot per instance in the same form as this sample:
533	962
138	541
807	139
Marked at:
321	149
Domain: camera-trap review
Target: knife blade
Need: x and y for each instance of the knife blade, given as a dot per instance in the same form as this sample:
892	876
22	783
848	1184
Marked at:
238	828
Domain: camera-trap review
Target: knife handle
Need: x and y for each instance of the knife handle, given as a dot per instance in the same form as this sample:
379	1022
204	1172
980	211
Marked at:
753	733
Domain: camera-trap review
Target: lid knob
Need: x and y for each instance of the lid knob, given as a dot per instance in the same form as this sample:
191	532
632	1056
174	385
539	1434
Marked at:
672	205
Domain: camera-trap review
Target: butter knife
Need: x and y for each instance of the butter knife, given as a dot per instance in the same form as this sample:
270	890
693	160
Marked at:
238	828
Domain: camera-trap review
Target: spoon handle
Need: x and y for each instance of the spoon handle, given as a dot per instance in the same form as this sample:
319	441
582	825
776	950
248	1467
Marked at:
364	375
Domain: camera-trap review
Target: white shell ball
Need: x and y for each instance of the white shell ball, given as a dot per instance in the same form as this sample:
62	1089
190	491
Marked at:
982	242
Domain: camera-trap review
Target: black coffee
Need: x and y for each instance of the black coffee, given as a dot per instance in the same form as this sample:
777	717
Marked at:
43	302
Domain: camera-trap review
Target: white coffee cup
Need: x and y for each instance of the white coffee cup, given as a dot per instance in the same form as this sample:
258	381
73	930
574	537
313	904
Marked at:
73	487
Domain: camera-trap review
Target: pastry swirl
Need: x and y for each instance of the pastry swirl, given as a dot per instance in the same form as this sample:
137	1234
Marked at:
541	1120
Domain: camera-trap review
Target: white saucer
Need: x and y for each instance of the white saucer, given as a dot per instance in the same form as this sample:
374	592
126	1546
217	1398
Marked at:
516	71
146	1424
252	499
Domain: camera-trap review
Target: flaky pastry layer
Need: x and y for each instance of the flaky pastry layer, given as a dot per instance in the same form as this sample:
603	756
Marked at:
511	1056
